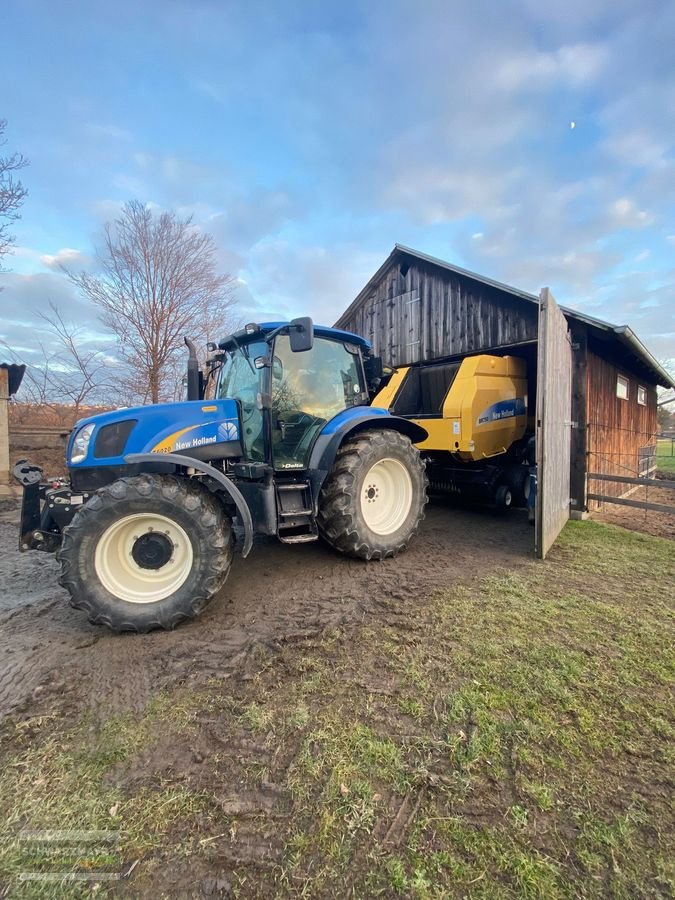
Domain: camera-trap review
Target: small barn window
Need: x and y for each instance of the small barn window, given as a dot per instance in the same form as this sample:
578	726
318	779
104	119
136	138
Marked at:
642	395
621	387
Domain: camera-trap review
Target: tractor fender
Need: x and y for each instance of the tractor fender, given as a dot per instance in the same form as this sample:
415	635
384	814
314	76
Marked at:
227	484
345	425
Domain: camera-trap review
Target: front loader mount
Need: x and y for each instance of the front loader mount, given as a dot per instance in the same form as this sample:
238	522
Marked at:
47	507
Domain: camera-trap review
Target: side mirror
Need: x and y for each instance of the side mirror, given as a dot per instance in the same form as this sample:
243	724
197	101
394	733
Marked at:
301	334
262	362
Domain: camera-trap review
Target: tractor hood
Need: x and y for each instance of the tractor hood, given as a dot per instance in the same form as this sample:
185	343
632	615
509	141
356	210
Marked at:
198	428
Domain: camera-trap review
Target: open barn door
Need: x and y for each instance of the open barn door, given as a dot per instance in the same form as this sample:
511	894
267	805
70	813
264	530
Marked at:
554	406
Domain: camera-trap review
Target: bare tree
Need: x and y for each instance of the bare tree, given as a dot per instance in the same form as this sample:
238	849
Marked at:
69	371
157	282
12	193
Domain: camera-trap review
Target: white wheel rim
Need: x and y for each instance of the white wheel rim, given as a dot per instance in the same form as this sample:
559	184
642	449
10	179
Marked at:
386	496
120	573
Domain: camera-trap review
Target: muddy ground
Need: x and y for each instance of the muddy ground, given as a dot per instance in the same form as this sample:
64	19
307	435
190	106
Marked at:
53	657
647	521
422	727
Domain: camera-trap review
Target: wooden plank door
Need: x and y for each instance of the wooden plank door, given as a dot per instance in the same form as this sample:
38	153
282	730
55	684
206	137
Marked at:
554	426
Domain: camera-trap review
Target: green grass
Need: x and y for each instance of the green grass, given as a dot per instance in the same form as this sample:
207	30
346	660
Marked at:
665	458
511	737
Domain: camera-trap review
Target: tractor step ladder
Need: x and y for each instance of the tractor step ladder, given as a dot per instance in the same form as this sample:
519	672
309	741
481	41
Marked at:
295	522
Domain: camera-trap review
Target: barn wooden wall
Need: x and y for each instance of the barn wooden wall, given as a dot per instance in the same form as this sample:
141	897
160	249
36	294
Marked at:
620	433
424	312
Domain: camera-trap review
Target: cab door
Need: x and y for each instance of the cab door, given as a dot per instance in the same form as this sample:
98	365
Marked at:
308	389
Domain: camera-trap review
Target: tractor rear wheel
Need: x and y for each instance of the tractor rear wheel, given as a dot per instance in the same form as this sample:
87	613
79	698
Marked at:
146	552
372	502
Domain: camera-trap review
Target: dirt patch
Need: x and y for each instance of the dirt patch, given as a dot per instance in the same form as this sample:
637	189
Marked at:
279	594
647	521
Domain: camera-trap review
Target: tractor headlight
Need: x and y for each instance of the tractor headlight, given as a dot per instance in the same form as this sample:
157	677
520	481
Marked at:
81	443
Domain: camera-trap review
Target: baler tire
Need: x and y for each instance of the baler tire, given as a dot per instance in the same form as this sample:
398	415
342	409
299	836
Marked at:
340	518
503	499
519	482
188	507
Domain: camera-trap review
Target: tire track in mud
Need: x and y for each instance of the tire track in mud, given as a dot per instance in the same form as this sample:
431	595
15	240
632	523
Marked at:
281	593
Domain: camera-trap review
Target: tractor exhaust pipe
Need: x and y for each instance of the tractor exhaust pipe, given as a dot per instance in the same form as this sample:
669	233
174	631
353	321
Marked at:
194	376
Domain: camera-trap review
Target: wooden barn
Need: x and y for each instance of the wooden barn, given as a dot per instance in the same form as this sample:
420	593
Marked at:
592	384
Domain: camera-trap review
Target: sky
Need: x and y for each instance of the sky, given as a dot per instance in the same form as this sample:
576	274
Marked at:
531	142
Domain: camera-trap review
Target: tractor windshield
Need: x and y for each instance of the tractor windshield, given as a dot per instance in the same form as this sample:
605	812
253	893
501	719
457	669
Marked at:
240	380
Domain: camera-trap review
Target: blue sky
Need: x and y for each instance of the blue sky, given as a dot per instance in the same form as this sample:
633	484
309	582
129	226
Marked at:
309	137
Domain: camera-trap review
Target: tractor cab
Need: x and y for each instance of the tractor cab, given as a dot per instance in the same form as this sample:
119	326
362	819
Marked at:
289	381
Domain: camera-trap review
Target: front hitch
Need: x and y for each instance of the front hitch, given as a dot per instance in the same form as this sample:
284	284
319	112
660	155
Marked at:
46	508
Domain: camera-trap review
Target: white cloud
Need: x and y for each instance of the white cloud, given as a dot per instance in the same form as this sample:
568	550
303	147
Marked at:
625	214
67	256
309	279
574	65
108	131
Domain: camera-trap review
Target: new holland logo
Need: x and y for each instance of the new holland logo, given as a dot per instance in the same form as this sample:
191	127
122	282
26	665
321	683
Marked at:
198	436
505	409
227	431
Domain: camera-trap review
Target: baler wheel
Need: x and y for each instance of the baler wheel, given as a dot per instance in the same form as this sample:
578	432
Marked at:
373	500
503	498
519	482
146	552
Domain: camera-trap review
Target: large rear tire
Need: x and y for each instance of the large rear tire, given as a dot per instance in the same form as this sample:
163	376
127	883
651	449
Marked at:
372	502
146	552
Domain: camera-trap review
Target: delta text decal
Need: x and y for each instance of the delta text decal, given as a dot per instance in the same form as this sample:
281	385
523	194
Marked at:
505	409
198	436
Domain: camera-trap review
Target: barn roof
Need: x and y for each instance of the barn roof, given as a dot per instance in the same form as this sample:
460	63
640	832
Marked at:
622	334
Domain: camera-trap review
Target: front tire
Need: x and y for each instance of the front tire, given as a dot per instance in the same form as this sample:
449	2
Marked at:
373	501
146	552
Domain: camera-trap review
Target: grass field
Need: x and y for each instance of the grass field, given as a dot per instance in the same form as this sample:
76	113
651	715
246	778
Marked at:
511	737
665	456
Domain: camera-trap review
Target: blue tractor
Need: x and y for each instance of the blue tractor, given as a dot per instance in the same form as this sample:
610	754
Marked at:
159	496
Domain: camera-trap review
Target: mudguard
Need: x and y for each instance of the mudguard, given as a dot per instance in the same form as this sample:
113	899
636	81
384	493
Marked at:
345	424
239	501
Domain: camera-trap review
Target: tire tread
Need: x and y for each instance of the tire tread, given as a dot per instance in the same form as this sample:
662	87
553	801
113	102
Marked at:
211	523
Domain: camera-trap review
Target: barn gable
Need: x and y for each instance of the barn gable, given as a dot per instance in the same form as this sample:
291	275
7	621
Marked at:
414	308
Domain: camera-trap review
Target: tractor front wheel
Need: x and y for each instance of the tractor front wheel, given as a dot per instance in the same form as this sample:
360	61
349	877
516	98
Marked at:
372	502
146	552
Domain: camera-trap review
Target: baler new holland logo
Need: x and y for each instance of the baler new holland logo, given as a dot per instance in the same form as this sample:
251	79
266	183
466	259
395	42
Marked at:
505	409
